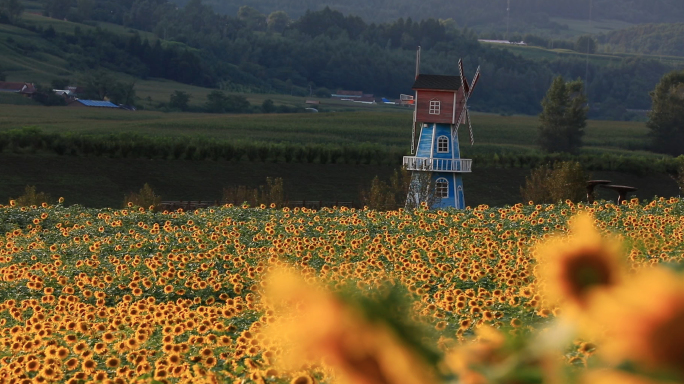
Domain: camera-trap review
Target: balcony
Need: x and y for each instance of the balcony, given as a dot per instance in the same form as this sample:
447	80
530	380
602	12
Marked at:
427	164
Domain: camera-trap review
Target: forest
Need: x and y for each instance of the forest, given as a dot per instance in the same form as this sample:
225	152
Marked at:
651	39
323	51
469	12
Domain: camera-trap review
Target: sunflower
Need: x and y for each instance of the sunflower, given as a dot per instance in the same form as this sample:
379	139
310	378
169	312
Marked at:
302	379
88	366
609	376
100	376
72	363
108	337
574	269
644	322
112	362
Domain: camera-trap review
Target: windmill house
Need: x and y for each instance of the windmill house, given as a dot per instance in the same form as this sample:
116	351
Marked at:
440	109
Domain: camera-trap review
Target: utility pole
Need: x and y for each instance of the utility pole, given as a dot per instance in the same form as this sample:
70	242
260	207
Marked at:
589	40
508	17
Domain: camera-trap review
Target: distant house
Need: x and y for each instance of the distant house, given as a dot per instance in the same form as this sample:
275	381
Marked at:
316	102
93	104
347	95
502	42
22	88
75	90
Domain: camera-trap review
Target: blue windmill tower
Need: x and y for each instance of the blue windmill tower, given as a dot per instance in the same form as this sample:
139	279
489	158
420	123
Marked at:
440	108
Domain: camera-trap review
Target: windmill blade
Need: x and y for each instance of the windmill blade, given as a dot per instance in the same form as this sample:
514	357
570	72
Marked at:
470	128
461	118
475	79
464	83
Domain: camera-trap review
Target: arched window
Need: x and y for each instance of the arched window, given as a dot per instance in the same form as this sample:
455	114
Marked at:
442	144
442	188
434	106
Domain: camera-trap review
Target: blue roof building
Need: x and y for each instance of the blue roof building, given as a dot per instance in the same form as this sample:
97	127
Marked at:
93	103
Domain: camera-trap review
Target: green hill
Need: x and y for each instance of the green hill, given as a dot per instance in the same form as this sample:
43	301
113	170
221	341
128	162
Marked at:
650	39
525	14
316	54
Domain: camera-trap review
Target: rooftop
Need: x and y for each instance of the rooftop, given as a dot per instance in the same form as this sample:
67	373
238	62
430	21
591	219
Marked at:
439	82
97	103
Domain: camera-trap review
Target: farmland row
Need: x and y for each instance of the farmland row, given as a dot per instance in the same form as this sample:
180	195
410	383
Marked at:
134	146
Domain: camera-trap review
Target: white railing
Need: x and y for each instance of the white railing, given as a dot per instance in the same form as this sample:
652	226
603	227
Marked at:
413	163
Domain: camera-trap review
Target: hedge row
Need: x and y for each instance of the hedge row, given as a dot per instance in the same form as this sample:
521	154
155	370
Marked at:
32	140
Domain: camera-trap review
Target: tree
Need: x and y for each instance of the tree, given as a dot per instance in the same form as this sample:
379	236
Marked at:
383	196
278	21
123	93
666	120
268	106
10	10
553	183
85	8
216	102
680	178
60	83
101	85
179	100
57	9
47	97
585	44
564	117
254	19
98	85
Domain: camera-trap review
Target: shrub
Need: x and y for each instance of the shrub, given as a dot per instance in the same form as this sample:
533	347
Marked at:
553	183
144	198
272	194
31	197
402	191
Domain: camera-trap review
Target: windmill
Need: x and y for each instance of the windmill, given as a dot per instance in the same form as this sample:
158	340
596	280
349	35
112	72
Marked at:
441	106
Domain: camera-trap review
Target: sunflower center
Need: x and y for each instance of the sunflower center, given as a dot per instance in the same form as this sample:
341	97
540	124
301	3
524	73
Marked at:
586	272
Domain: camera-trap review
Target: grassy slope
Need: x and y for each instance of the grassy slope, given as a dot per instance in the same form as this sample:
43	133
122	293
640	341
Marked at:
584	27
37	60
538	53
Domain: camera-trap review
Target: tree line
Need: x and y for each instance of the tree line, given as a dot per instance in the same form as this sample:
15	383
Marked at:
650	39
326	50
474	13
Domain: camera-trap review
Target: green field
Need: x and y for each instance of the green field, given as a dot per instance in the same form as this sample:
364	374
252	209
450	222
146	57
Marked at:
585	27
600	58
390	128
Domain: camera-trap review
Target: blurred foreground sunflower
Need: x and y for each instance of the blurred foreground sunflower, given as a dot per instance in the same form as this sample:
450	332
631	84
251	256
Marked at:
314	326
572	270
644	323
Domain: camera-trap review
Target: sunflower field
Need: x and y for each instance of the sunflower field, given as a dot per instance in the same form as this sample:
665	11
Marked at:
520	294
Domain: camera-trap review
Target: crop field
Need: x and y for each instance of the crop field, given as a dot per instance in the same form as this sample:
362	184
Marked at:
390	127
90	295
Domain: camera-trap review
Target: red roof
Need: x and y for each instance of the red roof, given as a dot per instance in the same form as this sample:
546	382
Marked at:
11	87
6	86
